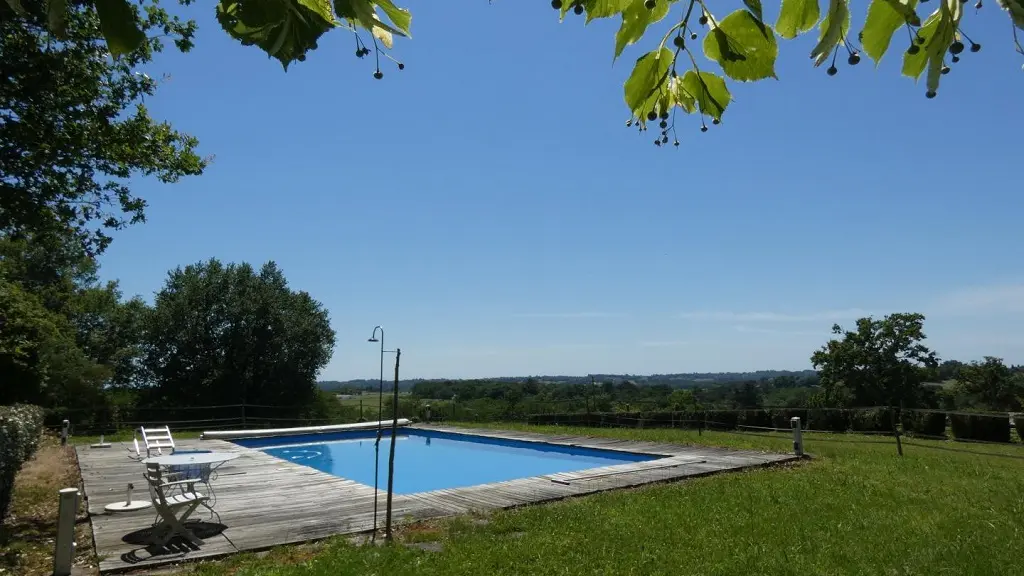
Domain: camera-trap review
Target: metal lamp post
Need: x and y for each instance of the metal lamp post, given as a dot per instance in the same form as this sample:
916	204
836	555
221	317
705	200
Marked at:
380	409
394	432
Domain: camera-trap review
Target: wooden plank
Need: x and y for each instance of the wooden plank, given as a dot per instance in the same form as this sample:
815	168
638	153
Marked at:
264	501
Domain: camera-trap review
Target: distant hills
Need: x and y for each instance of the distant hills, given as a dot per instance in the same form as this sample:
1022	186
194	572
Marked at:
682	380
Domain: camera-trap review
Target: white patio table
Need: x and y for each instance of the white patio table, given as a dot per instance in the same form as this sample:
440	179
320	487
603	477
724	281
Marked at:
200	465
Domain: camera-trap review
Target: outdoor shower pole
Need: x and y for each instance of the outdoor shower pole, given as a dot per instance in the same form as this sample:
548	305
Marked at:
391	457
376	443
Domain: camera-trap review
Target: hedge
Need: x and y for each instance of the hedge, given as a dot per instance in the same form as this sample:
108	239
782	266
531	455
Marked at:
924	423
828	420
873	420
756	418
1018	420
980	427
781	418
721	419
20	428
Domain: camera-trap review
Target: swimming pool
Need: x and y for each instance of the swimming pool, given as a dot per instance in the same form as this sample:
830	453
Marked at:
428	460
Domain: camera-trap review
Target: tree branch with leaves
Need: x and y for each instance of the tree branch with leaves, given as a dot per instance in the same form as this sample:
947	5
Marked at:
741	43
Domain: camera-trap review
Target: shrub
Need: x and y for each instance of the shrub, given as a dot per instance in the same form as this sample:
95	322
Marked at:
781	417
759	418
872	420
721	419
828	420
1019	421
20	428
924	423
986	427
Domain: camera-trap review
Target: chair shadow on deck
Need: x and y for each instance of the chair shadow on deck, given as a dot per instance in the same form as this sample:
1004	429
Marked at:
177	546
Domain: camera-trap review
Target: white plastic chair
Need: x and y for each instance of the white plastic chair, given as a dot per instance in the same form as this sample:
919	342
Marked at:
156	439
174	500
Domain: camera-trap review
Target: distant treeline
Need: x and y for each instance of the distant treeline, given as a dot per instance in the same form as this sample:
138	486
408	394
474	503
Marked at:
681	380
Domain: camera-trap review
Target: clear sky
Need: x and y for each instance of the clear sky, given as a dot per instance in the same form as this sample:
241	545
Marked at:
488	207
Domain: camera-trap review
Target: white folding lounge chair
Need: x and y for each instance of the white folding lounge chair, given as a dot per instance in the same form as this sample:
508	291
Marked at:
157	439
174	500
137	454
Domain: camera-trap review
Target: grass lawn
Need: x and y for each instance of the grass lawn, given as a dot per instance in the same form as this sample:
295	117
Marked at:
856	509
370	399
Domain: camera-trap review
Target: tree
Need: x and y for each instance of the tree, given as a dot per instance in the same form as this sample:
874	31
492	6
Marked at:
73	123
991	384
227	334
747	395
949	370
880	363
680	400
62	336
664	81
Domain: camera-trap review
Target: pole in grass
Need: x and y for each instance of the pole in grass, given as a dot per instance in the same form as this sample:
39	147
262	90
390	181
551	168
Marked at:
391	457
798	436
380	408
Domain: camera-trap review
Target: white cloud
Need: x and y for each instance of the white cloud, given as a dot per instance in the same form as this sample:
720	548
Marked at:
980	300
824	316
569	315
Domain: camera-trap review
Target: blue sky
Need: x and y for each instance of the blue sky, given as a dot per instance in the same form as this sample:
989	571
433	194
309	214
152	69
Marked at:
489	208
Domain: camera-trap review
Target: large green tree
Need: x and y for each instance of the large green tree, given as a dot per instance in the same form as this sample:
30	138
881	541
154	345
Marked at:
881	362
990	384
226	334
687	68
63	335
73	124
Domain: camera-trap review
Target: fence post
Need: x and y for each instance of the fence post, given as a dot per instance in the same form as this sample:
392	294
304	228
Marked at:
895	431
64	433
243	415
798	436
65	550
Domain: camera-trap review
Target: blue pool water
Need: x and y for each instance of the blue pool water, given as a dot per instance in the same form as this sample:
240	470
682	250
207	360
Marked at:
428	460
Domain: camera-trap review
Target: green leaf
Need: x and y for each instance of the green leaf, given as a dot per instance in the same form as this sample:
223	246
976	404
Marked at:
744	47
635	20
681	96
605	8
321	8
119	25
906	9
882	22
1015	8
57	16
797	17
17	7
914	64
386	38
709	91
400	17
755	8
363	13
285	29
648	76
939	31
833	29
935	65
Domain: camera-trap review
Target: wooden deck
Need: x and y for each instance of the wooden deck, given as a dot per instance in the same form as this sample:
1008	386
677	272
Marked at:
264	501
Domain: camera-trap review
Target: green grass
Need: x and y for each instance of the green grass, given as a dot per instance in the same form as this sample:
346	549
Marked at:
370	400
125	437
857	508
